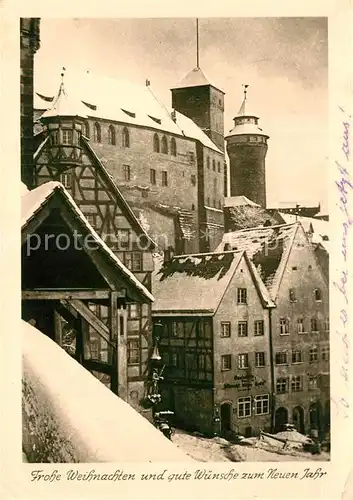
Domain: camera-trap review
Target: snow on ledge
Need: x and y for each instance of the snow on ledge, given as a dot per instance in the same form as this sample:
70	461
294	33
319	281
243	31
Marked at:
69	416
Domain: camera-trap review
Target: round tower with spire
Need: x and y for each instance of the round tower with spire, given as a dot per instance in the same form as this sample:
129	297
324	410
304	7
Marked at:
247	148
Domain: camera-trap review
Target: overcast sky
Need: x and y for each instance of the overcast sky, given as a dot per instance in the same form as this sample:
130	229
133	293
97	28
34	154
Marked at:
284	60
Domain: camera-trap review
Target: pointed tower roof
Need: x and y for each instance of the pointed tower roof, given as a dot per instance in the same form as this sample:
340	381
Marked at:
64	106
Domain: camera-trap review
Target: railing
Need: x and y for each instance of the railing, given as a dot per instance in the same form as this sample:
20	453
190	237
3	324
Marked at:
69	416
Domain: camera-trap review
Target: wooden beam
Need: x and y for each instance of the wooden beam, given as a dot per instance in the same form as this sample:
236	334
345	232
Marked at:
58	328
98	366
65	294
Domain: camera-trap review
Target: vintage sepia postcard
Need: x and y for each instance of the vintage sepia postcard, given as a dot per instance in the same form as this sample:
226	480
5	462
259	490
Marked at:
176	309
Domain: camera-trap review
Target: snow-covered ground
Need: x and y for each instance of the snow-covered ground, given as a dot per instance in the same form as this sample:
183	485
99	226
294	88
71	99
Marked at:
220	450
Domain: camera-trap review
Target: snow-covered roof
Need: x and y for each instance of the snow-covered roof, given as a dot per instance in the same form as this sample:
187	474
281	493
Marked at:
75	416
319	229
122	102
33	201
246	122
195	284
268	248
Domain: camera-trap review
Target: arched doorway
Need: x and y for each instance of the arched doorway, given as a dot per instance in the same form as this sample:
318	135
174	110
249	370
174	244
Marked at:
226	417
298	419
281	418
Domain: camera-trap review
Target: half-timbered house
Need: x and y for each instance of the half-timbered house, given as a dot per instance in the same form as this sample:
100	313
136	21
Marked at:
213	313
64	154
69	274
287	262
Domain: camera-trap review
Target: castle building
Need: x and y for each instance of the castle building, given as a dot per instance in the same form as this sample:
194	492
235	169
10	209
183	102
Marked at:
167	167
247	148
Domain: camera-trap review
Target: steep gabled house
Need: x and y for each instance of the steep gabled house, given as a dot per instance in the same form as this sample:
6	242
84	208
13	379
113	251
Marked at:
213	313
68	275
286	261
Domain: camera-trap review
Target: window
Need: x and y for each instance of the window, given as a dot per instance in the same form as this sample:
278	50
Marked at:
156	143
312	383
127	172
313	354
192	206
327	324
244	407
67	137
242	296
111	135
258	328
125	138
133	261
262	404
242	329
292	296
314	325
97	134
325	353
86	130
208	201
219	167
259	359
284	326
164	178
66	179
317	293
225	329
208	162
282	385
201	361
153	176
193	180
173	150
300	325
164	148
220	204
243	360
133	311
123	238
297	383
297	357
226	362
133	352
214	165
281	358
